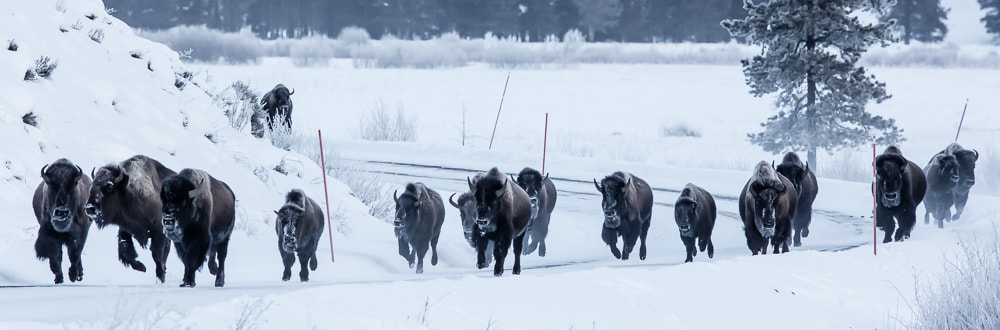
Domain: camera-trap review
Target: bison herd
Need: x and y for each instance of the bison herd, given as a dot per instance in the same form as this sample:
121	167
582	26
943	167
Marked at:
152	205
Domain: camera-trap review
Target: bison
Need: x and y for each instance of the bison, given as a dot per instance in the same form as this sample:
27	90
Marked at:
942	178
466	206
542	195
966	173
627	202
199	213
299	227
806	188
126	194
502	215
767	205
278	104
900	186
694	212
59	208
419	216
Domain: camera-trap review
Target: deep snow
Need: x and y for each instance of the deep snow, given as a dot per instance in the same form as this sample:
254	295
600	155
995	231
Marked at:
103	105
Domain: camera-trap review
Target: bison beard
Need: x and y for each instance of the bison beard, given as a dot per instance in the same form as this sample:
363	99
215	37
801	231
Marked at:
198	214
59	208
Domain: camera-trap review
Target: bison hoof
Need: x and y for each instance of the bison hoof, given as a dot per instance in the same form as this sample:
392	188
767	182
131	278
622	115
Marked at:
482	265
797	244
187	284
58	279
689	259
498	274
412	264
219	282
625	256
516	271
420	270
138	266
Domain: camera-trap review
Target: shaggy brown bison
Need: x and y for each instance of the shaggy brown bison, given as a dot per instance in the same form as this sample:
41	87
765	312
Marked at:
502	215
694	212
199	213
278	104
767	205
59	208
126	194
806	187
542	194
966	173
299	227
466	206
900	186
419	216
942	178
627	202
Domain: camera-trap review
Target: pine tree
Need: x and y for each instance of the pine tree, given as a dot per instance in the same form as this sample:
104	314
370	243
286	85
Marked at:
809	57
921	20
992	18
598	15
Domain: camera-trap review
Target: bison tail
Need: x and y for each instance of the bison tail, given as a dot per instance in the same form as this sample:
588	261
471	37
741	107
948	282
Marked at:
312	262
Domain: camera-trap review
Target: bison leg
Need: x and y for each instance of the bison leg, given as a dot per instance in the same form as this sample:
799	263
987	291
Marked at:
404	250
711	248
884	220
481	246
797	237
193	256
287	259
628	244
304	266
160	248
420	250
518	248
689	248
434	249
906	222
75	262
47	247
642	239
500	254
213	267
313	262
960	200
610	236
222	250
126	251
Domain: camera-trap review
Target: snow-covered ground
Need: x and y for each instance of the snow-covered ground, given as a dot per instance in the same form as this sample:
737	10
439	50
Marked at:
102	104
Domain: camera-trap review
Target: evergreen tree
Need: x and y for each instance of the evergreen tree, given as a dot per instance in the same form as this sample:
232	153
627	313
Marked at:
809	57
538	20
598	15
992	18
921	20
567	16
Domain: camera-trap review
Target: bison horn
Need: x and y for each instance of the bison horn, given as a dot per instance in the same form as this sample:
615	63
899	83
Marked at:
471	187
121	175
43	170
772	164
451	200
598	185
292	92
513	178
502	190
546	177
276	212
394	198
81	171
192	193
92	176
977	153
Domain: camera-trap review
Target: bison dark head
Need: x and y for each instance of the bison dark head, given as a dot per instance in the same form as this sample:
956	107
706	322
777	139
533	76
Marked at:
966	168
466	206
289	217
489	195
407	209
531	181
889	169
61	179
793	173
686	216
948	169
613	203
108	180
177	196
765	193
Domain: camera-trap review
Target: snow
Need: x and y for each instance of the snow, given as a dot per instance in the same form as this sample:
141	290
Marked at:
101	105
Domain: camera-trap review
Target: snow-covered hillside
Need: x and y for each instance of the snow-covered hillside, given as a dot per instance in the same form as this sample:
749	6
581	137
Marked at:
108	100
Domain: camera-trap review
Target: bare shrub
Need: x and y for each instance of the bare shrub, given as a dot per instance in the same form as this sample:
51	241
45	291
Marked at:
369	187
97	35
250	313
239	103
966	295
281	135
12	45
210	45
30	119
77	26
44	66
380	125
678	130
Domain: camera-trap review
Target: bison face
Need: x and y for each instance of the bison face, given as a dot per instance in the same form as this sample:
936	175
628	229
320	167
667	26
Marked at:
890	174
107	181
289	217
489	203
177	196
531	181
966	169
61	179
765	202
407	210
686	216
793	173
948	170
613	200
467	209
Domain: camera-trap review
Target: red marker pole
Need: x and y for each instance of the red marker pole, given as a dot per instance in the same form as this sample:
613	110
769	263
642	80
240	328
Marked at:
963	119
326	195
498	110
874	207
545	141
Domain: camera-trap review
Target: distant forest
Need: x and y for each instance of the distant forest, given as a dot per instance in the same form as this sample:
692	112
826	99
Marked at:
527	20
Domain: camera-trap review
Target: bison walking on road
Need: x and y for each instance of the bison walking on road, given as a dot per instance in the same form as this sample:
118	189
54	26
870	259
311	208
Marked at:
694	212
299	227
542	195
767	205
627	202
806	188
199	214
59	208
900	186
419	216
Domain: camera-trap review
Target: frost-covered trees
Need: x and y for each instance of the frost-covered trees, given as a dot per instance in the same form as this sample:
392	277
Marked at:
809	58
921	20
992	18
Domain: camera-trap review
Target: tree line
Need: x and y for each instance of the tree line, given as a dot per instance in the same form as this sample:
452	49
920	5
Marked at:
528	20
